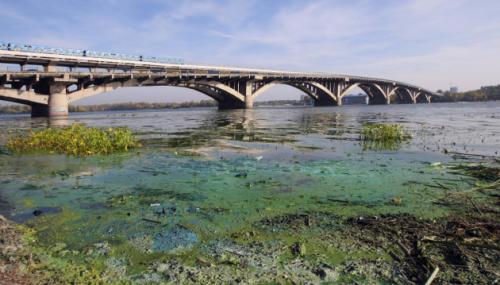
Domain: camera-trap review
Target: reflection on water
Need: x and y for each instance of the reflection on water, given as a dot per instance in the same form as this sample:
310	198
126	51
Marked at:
204	174
390	145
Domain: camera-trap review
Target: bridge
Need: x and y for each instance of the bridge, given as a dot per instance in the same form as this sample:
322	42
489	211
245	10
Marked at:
49	79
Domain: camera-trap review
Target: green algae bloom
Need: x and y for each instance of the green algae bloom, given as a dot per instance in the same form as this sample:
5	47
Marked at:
77	140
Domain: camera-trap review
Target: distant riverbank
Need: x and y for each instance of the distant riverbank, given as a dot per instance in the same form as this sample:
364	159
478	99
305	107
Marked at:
128	106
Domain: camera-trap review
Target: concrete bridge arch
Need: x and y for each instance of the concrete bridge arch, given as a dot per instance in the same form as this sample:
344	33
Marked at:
319	93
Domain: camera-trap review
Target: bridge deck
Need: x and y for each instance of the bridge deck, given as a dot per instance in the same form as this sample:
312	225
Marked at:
50	81
31	58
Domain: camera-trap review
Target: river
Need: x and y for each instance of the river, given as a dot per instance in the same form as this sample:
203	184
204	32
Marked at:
203	177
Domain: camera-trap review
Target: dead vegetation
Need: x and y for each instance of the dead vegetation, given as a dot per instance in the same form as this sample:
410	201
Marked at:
466	250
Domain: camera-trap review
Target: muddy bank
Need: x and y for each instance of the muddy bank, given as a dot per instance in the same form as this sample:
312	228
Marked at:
14	256
306	248
465	250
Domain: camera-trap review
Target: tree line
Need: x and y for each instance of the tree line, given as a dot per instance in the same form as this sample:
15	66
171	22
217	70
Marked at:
141	106
487	93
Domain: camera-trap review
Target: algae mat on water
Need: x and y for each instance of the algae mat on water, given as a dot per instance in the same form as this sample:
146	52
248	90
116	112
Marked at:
196	220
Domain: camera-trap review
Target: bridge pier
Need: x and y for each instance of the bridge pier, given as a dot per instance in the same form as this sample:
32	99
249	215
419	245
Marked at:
236	104
39	110
231	104
57	105
323	100
244	90
379	100
325	103
248	102
58	101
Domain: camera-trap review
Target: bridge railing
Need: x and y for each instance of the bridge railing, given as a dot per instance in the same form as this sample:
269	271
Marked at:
84	53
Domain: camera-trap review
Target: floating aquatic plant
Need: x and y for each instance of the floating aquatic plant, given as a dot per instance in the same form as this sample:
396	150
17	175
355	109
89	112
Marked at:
383	136
78	140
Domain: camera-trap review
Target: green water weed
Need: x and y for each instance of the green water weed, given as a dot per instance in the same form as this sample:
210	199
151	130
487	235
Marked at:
77	140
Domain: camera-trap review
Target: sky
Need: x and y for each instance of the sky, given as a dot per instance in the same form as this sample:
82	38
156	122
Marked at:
431	43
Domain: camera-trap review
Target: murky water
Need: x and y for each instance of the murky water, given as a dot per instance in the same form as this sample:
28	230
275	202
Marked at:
204	174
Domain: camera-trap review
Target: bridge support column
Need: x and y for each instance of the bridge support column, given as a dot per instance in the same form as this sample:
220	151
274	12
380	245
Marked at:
39	110
248	102
322	102
58	101
248	95
57	105
246	91
231	104
50	68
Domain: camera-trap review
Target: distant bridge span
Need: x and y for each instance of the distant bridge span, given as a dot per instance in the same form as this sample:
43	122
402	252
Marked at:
50	81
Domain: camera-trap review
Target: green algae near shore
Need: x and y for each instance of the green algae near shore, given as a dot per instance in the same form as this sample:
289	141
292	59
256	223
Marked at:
258	197
317	245
77	140
192	212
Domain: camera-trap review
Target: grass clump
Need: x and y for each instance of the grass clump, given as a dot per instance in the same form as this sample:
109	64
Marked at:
383	136
77	140
384	132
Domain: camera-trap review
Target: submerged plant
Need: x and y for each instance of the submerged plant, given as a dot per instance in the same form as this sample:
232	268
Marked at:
484	172
78	140
383	136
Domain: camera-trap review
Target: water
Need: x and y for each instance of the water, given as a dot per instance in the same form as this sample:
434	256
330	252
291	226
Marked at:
204	174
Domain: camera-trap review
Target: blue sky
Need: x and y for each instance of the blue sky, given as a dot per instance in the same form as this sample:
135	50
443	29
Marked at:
432	43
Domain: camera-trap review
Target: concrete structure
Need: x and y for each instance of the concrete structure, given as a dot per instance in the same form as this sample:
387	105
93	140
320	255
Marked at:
53	80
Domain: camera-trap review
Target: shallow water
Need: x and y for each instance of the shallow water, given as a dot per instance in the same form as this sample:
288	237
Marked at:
204	174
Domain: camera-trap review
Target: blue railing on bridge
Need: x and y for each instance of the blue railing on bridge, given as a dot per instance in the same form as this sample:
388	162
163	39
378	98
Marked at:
87	53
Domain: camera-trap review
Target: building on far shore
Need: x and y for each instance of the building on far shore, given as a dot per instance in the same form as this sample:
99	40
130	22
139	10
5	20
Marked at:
453	90
355	99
